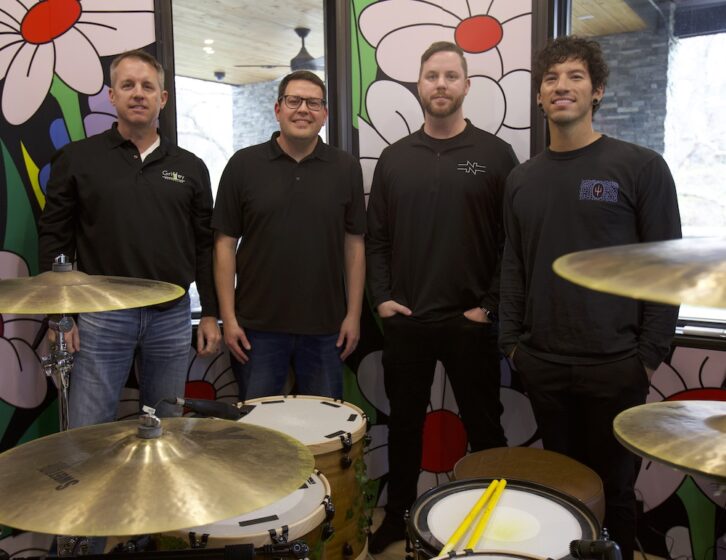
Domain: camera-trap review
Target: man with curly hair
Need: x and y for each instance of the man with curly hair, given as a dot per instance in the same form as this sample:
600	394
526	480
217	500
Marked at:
584	356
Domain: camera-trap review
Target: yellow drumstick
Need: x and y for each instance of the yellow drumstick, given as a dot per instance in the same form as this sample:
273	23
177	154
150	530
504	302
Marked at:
482	523
464	526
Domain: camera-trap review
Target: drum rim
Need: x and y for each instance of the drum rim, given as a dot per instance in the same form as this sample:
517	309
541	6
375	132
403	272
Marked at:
424	502
356	435
317	512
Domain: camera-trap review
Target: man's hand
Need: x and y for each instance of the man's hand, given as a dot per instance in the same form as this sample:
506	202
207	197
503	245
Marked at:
236	340
349	334
390	308
72	338
208	336
477	315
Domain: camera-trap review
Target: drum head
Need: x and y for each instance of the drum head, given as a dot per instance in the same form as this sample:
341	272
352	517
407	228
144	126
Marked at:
291	510
318	422
529	519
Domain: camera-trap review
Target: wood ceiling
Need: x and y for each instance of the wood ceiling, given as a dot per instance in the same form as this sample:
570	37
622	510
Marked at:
262	32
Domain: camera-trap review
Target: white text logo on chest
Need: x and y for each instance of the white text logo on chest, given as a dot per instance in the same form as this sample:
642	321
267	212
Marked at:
471	167
173	176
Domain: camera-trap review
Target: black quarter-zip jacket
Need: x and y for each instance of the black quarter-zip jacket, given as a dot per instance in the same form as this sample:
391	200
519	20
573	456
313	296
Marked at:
435	231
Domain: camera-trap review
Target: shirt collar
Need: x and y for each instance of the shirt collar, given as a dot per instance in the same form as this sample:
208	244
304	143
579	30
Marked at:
114	139
464	138
321	151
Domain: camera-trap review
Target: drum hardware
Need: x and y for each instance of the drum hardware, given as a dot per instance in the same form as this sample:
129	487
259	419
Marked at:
208	408
143	476
198	543
295	549
604	548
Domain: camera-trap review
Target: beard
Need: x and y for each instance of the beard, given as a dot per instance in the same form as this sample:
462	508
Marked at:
445	111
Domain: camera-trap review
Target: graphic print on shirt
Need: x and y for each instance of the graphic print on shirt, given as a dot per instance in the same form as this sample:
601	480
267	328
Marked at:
471	167
599	191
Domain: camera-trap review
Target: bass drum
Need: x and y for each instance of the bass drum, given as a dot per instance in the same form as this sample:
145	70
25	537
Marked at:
529	520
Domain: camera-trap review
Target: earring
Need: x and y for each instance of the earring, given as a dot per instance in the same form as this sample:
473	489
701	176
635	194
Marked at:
595	102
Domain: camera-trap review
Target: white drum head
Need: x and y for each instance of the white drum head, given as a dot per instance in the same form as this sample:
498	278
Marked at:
318	422
289	511
527	520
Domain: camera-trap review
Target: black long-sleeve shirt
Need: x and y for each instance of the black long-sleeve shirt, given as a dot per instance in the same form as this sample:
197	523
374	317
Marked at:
607	193
120	216
434	223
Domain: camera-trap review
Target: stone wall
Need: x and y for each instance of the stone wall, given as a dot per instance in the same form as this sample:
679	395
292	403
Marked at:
253	113
634	106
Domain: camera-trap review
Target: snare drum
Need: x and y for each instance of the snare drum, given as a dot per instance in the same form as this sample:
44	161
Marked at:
333	431
304	514
529	519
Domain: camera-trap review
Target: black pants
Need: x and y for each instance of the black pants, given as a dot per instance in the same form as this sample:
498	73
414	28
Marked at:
469	353
575	407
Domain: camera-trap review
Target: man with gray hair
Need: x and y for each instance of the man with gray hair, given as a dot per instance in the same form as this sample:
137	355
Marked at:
433	250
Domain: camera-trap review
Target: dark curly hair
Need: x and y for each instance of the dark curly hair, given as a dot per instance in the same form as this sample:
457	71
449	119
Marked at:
561	49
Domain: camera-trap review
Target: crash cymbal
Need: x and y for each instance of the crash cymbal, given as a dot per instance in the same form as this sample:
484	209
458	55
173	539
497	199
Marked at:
103	480
691	271
77	292
688	435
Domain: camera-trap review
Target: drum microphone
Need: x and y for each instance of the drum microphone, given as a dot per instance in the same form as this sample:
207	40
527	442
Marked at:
216	409
584	549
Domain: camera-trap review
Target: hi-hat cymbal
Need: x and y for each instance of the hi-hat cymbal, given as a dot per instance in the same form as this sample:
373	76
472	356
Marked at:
77	292
688	435
690	271
103	480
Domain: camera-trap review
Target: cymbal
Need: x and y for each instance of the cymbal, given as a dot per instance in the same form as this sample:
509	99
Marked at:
77	292
688	435
690	271
103	480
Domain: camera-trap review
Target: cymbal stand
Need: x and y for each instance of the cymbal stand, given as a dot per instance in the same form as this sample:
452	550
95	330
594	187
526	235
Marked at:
58	364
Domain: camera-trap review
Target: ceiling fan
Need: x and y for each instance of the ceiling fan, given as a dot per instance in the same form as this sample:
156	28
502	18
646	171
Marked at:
303	60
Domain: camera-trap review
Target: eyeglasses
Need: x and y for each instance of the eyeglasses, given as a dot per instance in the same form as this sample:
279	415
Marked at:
294	101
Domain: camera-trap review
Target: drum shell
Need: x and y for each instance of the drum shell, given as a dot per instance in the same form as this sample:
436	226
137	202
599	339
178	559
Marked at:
426	546
345	470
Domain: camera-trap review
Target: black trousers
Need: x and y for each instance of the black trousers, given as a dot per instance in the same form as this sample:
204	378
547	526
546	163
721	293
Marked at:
468	351
575	406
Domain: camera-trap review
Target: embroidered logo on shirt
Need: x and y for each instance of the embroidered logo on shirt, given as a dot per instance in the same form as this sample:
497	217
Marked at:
599	191
471	167
173	176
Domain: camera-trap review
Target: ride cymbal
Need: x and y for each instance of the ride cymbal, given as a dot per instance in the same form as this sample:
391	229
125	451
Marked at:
688	435
77	292
691	271
104	480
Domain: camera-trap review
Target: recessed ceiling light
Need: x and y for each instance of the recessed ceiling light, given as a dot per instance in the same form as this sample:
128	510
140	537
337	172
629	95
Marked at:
587	16
208	41
208	50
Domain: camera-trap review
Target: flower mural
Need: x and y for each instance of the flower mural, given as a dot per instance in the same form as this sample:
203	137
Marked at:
495	38
64	38
23	381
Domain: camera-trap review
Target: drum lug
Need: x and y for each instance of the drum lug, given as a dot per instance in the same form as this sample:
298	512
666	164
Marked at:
347	442
328	531
194	543
367	439
281	538
329	508
347	550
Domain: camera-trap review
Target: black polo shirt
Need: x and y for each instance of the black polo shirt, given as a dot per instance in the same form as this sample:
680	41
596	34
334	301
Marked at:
292	218
124	217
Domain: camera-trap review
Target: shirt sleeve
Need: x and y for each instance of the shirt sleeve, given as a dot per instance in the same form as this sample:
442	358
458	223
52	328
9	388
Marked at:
658	220
355	212
513	282
57	224
228	211
204	242
378	240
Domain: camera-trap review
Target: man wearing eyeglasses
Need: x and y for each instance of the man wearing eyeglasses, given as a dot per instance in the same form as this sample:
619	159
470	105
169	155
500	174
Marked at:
297	204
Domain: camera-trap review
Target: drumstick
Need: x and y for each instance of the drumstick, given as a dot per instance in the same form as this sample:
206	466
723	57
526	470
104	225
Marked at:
482	523
466	522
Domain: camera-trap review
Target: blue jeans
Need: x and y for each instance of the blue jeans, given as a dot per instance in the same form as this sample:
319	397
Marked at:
110	340
314	358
